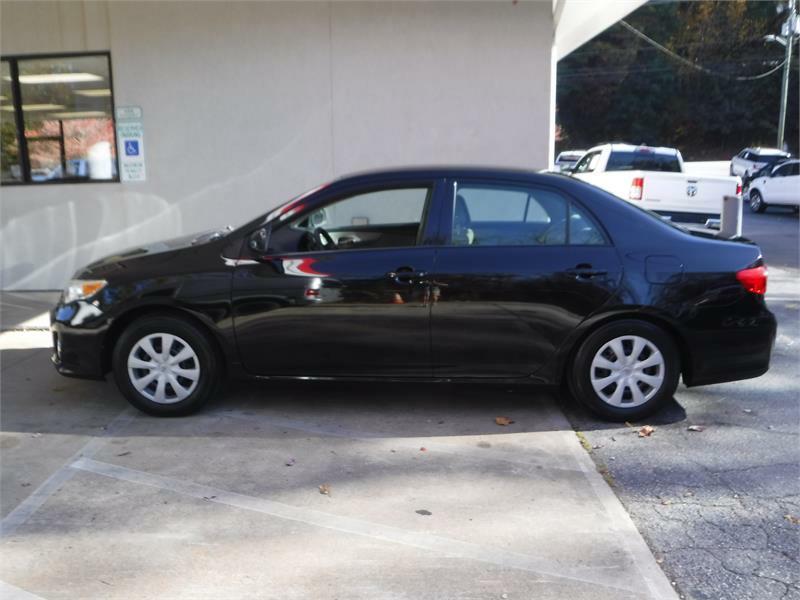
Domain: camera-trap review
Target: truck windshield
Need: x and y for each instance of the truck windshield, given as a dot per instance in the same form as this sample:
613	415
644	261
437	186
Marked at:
638	160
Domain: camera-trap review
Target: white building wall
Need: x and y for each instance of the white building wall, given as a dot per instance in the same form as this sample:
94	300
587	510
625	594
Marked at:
247	104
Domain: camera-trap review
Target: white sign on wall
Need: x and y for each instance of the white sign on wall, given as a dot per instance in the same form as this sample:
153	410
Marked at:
130	139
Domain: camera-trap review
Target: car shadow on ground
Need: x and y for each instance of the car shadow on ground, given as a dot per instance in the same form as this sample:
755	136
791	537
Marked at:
36	399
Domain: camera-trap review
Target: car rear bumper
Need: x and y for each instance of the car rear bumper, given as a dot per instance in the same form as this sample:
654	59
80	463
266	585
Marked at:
742	351
77	352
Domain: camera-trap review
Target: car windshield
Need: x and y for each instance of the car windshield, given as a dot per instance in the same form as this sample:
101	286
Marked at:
642	160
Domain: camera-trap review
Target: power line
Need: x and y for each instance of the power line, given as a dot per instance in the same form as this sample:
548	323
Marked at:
689	63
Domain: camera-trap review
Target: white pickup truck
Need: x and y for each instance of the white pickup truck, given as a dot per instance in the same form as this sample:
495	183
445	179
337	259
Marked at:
654	178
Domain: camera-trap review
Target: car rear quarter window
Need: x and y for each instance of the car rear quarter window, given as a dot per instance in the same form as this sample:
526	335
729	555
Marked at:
642	160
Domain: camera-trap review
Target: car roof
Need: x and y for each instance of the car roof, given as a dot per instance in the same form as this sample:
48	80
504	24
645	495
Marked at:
768	151
440	171
641	147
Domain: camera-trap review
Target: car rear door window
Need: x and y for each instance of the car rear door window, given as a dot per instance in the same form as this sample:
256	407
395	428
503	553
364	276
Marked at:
508	215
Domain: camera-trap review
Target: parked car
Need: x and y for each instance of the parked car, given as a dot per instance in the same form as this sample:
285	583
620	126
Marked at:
778	186
654	178
750	160
457	274
567	159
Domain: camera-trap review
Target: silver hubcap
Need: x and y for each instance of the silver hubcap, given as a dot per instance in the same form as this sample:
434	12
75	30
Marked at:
755	201
163	368
627	371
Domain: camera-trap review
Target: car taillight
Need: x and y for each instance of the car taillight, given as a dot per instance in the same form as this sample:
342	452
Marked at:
635	192
738	188
753	280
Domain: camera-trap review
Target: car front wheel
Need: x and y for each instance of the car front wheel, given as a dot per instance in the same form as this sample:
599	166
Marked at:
625	370
757	204
165	366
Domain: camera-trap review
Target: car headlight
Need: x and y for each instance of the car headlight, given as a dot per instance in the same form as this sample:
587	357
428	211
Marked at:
81	289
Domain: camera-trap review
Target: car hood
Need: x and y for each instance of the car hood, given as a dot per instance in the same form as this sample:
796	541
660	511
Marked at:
115	262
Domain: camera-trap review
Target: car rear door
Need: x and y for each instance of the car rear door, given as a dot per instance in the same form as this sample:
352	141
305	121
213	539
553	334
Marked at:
521	267
355	302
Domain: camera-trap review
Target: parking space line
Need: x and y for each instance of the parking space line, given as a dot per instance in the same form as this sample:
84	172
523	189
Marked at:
411	443
608	577
25	509
12	592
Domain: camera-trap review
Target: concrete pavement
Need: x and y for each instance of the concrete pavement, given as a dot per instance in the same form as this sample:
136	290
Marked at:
426	497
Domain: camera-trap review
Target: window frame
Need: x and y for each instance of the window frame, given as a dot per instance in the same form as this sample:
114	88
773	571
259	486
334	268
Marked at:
19	119
451	190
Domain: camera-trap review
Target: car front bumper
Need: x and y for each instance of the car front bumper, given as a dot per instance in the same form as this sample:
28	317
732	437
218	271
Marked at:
78	351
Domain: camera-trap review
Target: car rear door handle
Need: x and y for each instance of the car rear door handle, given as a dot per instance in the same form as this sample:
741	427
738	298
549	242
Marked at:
405	275
585	271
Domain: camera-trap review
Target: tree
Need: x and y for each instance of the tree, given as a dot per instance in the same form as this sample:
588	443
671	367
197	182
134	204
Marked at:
618	87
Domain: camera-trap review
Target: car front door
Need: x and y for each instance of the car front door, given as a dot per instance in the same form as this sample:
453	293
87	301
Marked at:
522	267
340	288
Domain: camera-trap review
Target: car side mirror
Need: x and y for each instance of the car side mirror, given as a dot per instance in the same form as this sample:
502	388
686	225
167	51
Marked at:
259	240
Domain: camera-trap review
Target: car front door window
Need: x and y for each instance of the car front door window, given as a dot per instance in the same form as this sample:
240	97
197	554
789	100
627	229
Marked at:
386	218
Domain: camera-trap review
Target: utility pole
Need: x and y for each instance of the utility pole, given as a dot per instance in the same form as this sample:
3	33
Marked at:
789	30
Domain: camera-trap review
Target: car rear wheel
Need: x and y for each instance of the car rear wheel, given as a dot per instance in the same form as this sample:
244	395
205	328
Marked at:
625	370
165	366
757	204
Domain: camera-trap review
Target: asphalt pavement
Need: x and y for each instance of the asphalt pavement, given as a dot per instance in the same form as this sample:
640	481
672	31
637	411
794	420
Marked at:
719	504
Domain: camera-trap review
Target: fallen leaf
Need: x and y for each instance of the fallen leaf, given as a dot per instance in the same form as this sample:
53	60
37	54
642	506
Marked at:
123	454
646	431
26	485
208	497
325	489
423	512
290	462
792	519
696	428
503	421
423	449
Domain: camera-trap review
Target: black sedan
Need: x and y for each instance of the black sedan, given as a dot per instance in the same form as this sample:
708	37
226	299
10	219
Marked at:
428	273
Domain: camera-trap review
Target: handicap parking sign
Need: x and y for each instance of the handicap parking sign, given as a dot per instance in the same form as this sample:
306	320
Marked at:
131	147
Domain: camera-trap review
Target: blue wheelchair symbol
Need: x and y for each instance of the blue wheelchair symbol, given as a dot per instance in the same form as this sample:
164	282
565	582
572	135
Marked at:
131	147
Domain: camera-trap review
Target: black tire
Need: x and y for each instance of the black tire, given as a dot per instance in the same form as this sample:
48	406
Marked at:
580	374
757	204
206	360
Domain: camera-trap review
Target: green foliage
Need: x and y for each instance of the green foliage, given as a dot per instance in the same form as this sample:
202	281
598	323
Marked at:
617	87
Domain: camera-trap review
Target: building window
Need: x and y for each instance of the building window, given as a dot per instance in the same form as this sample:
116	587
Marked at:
57	119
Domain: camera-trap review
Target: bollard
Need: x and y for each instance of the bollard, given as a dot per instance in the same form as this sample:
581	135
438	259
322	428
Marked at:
731	225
